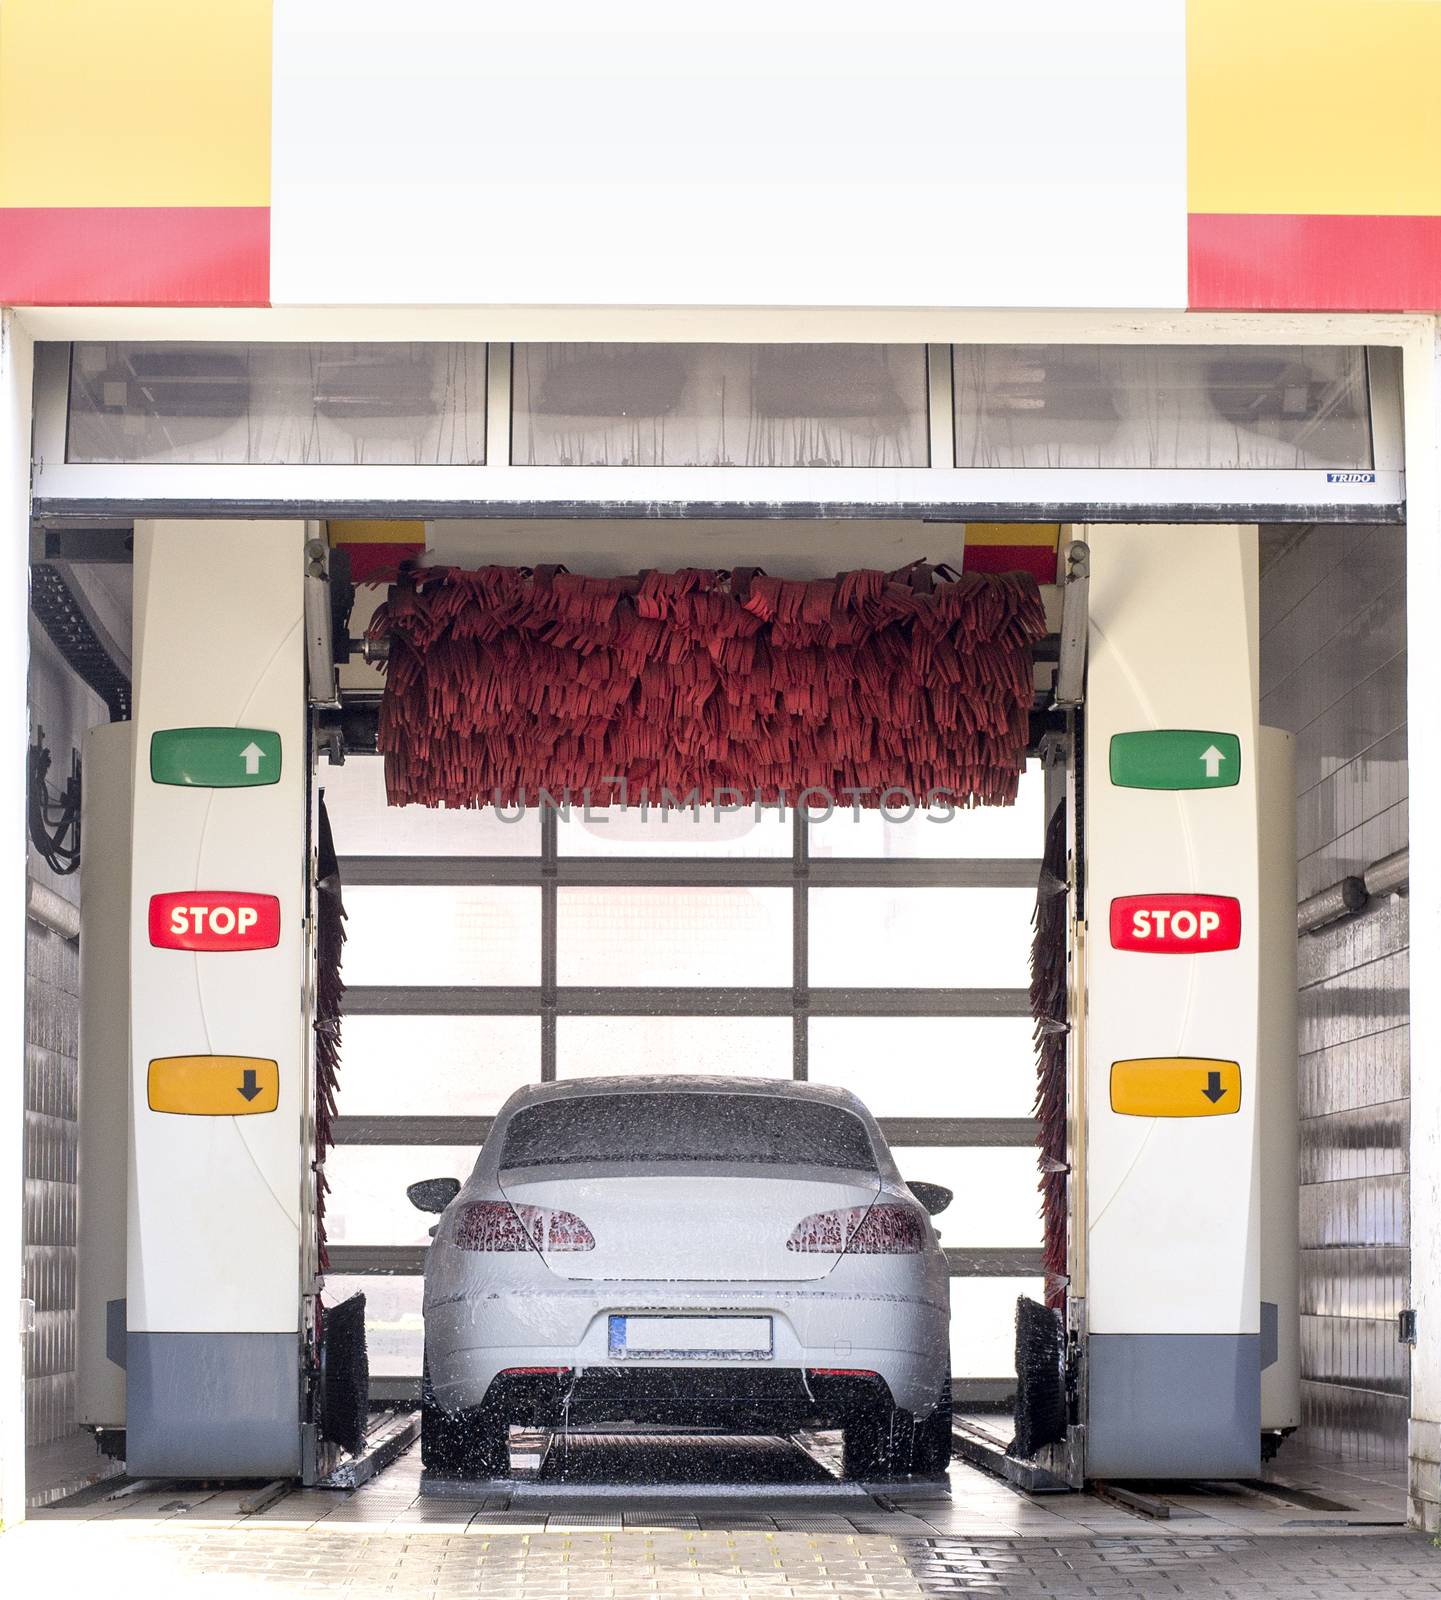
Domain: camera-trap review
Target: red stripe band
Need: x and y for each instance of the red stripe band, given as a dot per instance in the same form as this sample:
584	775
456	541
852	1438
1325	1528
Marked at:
1312	263
1037	559
375	563
135	255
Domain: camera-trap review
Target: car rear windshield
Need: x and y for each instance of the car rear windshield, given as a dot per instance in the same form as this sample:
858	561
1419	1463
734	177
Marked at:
767	1129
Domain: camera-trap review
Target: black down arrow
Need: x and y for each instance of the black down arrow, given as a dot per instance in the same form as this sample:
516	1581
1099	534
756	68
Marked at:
250	1088
1213	1090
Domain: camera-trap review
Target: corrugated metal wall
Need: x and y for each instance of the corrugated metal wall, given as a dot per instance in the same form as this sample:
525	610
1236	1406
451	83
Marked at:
1333	671
63	707
52	1021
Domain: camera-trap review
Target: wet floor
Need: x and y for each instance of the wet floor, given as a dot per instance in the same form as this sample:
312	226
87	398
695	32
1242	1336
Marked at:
718	1484
700	1517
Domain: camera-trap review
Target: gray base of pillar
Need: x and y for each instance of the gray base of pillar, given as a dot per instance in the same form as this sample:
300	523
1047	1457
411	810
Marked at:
212	1405
1173	1405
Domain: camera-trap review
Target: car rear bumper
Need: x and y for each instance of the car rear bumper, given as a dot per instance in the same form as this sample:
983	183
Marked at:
737	1399
475	1334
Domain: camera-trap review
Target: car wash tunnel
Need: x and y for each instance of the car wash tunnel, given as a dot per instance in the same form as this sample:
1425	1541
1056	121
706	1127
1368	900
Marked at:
628	1012
710	720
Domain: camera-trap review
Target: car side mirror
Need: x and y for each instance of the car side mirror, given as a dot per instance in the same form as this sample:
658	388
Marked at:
435	1194
935	1197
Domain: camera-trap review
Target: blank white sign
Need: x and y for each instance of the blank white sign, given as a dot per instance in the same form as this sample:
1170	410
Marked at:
817	153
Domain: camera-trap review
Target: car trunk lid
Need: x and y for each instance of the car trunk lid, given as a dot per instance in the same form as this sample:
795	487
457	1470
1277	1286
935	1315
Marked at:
704	1222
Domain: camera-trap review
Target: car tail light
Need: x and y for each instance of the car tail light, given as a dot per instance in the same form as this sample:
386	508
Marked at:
558	1230
497	1225
489	1225
879	1230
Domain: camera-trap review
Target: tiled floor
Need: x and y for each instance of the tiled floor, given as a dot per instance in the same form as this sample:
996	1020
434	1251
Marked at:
158	1561
791	1533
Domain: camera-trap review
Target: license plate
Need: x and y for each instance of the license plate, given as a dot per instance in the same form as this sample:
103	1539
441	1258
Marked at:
659	1338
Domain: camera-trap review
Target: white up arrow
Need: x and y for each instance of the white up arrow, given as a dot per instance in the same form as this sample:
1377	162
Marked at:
1212	757
253	755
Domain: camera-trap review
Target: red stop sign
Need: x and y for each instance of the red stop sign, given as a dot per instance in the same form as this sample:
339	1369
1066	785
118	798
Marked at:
214	919
1175	924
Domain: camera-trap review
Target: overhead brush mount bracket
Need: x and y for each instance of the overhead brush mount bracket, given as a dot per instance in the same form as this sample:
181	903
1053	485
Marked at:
1075	609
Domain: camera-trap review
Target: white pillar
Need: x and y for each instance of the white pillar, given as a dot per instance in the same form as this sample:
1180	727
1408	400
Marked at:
1172	1230
15	395
1423	585
218	1031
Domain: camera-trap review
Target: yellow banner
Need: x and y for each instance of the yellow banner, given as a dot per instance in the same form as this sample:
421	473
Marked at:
1324	107
135	102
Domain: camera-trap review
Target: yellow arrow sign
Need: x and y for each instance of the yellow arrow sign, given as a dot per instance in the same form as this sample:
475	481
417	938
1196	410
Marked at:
213	1086
1175	1086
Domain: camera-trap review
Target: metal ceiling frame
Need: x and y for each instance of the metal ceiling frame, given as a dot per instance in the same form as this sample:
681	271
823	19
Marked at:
940	491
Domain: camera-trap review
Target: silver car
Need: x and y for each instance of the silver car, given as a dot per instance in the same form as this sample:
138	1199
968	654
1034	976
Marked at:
732	1253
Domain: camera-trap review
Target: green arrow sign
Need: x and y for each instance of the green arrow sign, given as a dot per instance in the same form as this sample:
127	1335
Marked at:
215	758
1175	758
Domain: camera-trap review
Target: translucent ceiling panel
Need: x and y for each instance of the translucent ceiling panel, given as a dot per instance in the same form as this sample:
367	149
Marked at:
941	832
928	1066
921	938
440	935
434	1066
694	937
278	404
675	831
364	825
720	405
755	1047
1151	406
